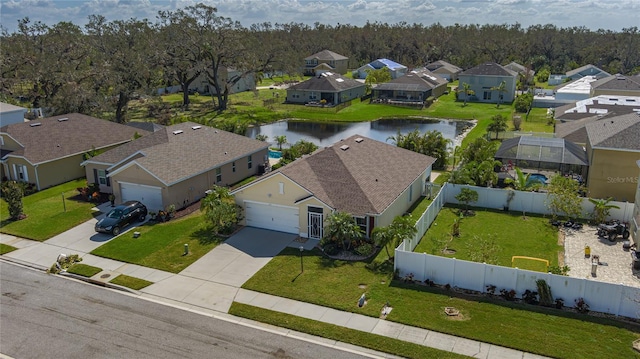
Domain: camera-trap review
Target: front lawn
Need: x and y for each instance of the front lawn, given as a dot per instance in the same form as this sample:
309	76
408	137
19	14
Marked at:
46	215
5	248
339	284
130	282
512	234
161	245
84	270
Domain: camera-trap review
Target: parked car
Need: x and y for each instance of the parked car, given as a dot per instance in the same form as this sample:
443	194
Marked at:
121	216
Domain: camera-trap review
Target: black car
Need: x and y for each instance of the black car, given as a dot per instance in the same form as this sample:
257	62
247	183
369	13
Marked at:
121	216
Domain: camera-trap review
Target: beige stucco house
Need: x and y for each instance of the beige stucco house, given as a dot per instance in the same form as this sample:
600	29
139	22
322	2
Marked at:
444	69
616	85
328	87
325	60
371	180
613	149
176	165
49	151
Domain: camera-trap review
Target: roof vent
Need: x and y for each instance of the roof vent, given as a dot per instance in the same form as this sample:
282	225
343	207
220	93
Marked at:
63	119
196	127
177	132
344	147
35	124
359	139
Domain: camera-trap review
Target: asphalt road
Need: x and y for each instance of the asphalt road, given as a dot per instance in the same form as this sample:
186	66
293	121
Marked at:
44	316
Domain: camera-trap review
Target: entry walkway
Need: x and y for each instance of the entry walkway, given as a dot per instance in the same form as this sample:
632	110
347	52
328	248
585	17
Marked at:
212	283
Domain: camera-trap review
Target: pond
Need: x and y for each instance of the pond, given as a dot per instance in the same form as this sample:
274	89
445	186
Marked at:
326	134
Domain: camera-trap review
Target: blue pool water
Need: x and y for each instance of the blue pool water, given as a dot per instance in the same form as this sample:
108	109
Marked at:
537	178
275	154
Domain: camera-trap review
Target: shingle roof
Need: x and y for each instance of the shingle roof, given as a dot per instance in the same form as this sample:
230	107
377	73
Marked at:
514	66
617	82
327	82
326	55
600	105
7	107
56	137
365	178
173	156
414	81
595	70
388	63
620	132
489	69
147	126
443	64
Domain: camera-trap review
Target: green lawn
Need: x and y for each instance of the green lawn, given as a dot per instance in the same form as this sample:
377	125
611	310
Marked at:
84	270
130	282
447	107
5	248
536	122
45	212
514	236
161	245
339	284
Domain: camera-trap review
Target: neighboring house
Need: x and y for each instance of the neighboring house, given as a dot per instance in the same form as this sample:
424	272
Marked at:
10	114
484	78
328	86
444	70
48	151
323	61
556	79
616	85
201	84
395	69
613	148
635	222
146	126
521	70
576	90
415	86
176	165
587	70
371	180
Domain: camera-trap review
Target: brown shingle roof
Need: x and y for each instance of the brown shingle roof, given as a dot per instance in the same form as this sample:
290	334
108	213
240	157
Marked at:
53	139
173	156
620	132
617	82
422	80
326	55
443	64
490	69
328	82
365	178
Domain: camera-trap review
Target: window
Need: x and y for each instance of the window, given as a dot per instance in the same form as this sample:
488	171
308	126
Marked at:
312	96
233	166
281	187
218	175
362	223
20	173
102	177
249	164
486	95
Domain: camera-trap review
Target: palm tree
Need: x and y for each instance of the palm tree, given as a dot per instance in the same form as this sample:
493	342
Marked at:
498	124
400	229
220	209
261	137
342	229
281	140
501	88
521	182
601	209
466	89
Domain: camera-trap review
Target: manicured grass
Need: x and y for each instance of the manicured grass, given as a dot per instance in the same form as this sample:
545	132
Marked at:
514	236
45	212
447	107
161	245
345	335
339	284
5	248
130	282
84	270
418	208
536	122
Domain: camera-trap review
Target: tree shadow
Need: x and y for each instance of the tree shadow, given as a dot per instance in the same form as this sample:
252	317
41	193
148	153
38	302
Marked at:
205	236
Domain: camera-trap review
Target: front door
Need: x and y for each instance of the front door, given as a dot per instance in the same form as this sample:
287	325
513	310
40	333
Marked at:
315	222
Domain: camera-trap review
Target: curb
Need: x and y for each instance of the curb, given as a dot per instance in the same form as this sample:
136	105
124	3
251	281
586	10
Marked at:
100	283
24	263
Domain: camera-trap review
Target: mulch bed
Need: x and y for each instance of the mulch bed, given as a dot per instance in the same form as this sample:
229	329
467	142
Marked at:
187	210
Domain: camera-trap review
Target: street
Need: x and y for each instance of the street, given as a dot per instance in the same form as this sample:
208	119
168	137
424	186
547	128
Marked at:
47	316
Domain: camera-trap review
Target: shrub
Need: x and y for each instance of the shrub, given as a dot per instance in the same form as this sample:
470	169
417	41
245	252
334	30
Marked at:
12	192
331	249
365	249
523	102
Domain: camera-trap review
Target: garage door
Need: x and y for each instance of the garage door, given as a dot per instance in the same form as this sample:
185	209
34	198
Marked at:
268	216
149	196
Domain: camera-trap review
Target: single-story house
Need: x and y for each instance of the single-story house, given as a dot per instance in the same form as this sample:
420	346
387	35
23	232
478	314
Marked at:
373	181
444	70
325	60
395	69
613	148
576	90
333	88
483	80
416	86
49	151
587	70
635	222
520	69
11	114
616	85
176	165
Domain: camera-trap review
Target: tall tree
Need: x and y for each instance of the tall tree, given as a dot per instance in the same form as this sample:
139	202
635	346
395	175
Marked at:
563	197
501	89
498	124
402	228
431	143
467	91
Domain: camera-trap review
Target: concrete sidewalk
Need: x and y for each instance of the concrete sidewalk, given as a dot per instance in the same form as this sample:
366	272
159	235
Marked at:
212	283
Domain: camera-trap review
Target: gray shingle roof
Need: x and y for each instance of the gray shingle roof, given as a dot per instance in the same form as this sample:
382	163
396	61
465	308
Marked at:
327	82
175	156
414	81
365	178
617	82
443	64
594	70
621	132
53	139
326	55
490	69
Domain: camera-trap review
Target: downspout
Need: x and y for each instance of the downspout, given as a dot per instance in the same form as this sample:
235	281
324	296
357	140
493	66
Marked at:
35	168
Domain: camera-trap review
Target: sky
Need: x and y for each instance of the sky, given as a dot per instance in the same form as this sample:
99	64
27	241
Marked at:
593	14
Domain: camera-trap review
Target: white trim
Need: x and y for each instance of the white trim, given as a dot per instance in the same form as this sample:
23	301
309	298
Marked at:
126	160
271	204
11	137
272	175
127	165
317	199
141	185
613	149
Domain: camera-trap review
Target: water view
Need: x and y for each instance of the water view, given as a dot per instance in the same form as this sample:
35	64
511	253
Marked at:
326	134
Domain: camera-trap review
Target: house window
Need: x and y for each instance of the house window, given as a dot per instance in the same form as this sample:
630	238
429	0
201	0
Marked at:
486	95
281	187
102	177
362	223
20	173
313	96
233	166
218	175
249	163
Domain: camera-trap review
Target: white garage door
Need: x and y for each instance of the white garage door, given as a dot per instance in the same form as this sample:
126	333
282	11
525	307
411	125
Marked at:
149	196
268	216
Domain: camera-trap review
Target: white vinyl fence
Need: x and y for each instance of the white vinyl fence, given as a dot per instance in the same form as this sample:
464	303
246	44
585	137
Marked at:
603	297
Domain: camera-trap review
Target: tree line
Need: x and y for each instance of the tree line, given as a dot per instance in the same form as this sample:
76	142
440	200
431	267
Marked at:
100	67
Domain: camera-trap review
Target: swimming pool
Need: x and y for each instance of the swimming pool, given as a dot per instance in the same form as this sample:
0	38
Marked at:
275	154
537	178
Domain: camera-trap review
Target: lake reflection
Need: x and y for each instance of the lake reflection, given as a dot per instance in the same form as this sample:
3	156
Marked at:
327	133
